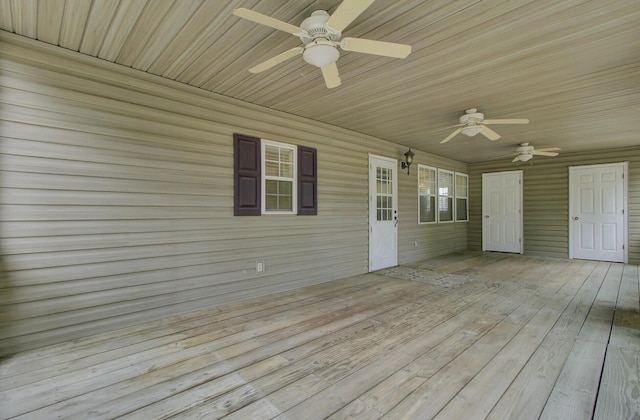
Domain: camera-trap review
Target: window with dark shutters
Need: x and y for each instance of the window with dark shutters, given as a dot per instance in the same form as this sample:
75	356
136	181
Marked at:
248	194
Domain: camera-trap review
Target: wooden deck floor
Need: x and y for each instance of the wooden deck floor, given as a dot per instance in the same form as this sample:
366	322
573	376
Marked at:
524	338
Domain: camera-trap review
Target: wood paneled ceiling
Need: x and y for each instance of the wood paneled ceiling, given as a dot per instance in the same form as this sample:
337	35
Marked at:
571	67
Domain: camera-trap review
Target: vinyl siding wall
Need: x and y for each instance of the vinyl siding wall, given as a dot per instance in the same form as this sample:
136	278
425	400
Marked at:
116	194
546	199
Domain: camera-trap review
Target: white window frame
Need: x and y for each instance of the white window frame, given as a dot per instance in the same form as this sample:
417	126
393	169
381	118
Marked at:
458	196
294	180
434	194
450	194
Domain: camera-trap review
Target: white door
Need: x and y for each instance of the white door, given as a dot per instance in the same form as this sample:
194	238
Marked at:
502	212
596	212
383	213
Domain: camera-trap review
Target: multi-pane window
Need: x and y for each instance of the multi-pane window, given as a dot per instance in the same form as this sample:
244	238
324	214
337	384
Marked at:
445	195
426	194
462	197
384	194
279	175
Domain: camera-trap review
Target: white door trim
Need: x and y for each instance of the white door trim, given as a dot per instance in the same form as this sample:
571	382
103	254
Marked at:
625	206
485	200
376	229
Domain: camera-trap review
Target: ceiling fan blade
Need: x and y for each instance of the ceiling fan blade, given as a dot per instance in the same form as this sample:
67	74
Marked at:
507	121
489	133
548	149
346	13
369	46
268	21
331	75
543	153
452	135
276	60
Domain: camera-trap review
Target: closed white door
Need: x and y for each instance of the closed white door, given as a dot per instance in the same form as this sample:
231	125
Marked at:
596	212
502	211
383	213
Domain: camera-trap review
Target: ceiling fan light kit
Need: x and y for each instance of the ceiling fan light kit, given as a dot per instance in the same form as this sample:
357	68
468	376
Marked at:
320	33
525	157
320	54
471	130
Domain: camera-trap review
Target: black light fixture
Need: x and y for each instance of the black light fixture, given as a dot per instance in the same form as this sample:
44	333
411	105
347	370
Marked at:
408	160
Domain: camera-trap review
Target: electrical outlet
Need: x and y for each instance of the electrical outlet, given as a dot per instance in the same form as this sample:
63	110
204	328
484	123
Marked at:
259	266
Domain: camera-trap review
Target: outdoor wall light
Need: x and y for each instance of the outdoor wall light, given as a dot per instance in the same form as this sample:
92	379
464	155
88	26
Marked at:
408	160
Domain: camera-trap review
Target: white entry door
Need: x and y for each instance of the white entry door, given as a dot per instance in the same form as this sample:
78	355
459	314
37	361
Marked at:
383	213
502	211
596	212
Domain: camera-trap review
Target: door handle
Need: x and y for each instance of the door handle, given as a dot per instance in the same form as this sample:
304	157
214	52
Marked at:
395	224
486	217
576	218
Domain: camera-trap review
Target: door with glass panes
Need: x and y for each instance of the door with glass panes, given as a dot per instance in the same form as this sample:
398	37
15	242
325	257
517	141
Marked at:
383	213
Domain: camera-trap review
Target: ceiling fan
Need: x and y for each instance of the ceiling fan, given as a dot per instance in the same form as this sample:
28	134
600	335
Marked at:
321	35
473	122
526	151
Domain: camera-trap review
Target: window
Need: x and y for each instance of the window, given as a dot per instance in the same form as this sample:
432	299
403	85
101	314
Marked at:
278	177
445	196
450	190
426	194
384	194
273	178
462	197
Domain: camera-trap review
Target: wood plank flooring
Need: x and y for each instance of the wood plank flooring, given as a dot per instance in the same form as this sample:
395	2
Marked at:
524	338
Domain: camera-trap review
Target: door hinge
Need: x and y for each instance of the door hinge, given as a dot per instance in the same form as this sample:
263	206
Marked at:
622	211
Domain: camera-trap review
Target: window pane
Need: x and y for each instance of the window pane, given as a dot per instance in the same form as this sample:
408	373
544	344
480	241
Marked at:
286	156
445	183
286	170
284	187
271	168
272	187
445	209
427	181
285	202
461	186
271	202
427	209
461	209
272	153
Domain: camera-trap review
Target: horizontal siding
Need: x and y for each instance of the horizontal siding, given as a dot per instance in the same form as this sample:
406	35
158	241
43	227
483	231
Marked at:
116	200
546	199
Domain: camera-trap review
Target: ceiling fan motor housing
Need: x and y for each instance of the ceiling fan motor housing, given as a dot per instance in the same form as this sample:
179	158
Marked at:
525	149
472	117
315	26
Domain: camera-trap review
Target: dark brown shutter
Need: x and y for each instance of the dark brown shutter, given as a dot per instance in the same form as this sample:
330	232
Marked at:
246	171
307	181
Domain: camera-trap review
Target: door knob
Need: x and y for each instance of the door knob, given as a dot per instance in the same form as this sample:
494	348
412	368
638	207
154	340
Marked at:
576	218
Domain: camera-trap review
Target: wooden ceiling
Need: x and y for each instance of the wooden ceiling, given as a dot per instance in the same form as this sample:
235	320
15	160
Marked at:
571	67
